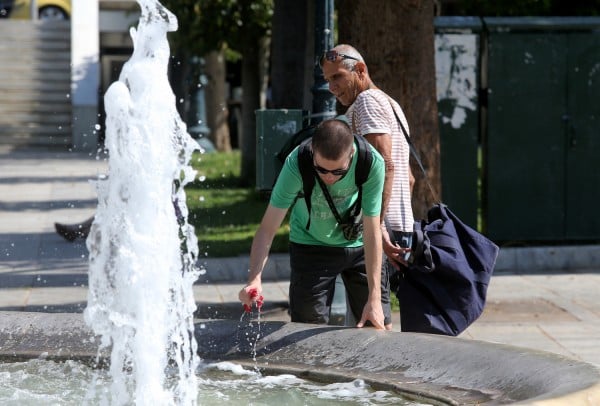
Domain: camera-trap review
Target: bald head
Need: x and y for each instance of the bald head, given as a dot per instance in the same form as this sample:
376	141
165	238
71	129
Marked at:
350	51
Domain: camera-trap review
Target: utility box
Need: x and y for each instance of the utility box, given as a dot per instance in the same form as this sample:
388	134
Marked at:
273	128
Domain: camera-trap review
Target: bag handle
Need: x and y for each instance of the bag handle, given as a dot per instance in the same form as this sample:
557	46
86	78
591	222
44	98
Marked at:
415	154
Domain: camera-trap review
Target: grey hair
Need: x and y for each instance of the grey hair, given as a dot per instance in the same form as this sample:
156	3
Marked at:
350	51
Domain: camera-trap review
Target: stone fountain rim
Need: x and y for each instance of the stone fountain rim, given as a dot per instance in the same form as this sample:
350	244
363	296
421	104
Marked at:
444	370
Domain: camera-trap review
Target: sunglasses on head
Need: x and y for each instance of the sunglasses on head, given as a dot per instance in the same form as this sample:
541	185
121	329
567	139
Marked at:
332	56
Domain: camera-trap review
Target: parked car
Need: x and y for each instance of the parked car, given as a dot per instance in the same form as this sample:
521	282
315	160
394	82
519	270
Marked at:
47	9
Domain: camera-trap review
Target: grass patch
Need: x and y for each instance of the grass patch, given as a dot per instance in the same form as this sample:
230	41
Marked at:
225	215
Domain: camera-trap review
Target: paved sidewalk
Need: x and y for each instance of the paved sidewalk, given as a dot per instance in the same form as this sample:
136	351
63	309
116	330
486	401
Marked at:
541	298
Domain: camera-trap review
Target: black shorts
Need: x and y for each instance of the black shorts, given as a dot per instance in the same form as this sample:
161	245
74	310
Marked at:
312	282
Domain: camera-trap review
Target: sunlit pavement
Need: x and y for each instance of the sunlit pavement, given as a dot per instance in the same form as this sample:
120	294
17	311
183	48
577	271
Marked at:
529	304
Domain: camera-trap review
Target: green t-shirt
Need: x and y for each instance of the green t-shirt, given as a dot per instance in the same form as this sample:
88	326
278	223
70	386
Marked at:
323	226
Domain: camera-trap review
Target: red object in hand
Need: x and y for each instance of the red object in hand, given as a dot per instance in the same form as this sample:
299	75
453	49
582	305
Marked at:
259	300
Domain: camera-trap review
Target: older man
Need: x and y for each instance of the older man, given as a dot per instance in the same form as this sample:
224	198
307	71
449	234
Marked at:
375	115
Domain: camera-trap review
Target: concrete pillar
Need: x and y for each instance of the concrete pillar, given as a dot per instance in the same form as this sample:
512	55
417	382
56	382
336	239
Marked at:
85	73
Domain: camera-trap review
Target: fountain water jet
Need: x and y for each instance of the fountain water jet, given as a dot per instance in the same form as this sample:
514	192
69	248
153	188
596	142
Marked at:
142	250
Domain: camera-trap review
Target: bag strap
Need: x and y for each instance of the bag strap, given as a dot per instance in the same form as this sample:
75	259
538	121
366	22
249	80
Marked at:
415	154
330	201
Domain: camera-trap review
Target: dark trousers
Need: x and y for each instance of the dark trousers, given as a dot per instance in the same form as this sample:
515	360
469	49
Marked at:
312	282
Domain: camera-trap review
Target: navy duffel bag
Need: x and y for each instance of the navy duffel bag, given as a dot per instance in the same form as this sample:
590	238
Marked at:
444	288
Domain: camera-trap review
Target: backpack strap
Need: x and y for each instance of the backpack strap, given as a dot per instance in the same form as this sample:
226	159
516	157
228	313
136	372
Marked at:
307	171
363	167
365	160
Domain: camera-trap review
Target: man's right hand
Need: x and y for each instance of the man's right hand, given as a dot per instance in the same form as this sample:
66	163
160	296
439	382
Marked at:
393	251
251	294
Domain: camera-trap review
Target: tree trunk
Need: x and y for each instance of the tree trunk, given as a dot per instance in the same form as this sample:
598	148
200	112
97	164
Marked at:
255	58
216	101
396	38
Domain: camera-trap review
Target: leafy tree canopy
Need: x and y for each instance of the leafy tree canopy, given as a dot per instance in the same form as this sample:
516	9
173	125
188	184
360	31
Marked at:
209	25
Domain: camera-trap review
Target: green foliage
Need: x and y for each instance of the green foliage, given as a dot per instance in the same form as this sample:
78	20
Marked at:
211	25
188	17
225	215
394	303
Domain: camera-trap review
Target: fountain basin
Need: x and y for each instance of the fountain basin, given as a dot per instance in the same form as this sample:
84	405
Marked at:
447	370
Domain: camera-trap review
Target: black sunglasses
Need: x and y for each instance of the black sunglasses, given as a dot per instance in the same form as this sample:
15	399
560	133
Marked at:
334	172
332	56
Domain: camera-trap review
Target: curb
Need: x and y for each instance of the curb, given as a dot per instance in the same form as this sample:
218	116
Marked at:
554	258
510	260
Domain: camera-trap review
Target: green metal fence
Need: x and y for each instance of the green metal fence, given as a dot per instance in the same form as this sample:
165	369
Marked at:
543	128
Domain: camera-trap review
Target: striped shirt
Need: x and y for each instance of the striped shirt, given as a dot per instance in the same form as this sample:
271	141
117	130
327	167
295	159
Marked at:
372	113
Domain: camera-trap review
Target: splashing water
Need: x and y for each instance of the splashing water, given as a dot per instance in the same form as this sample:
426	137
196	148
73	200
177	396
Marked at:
142	250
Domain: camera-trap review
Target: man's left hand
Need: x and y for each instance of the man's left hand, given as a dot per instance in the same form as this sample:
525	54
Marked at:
374	314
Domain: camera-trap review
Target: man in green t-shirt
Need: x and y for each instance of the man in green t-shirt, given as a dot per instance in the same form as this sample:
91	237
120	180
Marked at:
320	252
